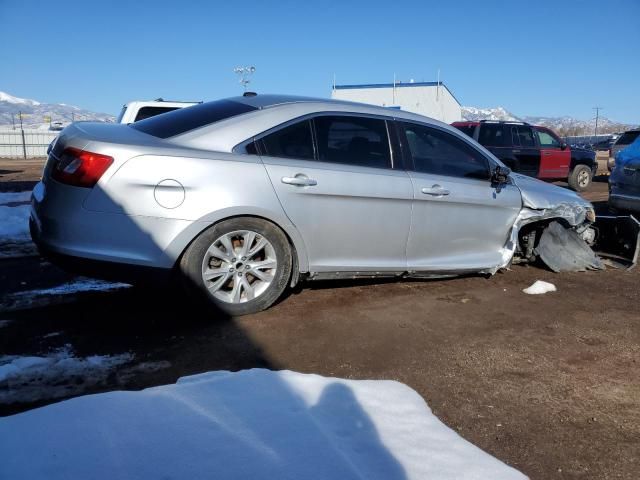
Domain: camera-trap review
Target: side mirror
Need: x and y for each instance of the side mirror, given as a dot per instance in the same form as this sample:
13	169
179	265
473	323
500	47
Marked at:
563	146
500	175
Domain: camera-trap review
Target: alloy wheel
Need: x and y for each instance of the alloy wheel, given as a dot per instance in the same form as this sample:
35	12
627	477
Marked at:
239	266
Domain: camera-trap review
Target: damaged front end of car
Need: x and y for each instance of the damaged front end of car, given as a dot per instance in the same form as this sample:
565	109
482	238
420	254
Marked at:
561	230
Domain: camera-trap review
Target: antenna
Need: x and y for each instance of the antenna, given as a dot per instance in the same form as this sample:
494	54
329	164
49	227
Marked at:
334	82
245	74
438	87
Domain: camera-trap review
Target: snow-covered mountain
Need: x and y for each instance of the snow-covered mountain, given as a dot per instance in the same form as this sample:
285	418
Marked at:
497	113
562	125
35	114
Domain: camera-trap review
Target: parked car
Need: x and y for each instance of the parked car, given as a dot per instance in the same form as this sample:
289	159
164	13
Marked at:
624	182
242	197
623	141
603	145
140	110
534	151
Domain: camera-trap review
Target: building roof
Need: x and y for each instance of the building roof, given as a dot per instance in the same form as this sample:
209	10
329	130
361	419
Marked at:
397	85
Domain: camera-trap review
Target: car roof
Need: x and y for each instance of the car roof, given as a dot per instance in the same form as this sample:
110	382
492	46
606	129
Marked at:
263	101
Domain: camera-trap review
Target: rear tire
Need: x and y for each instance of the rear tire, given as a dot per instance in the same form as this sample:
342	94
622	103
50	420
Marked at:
240	266
580	178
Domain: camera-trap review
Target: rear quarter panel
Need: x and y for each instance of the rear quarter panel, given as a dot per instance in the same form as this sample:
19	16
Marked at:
202	192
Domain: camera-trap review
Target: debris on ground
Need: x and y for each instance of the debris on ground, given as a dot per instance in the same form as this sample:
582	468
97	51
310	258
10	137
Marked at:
540	287
256	424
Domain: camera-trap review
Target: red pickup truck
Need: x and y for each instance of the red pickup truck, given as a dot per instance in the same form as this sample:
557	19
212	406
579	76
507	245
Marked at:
533	150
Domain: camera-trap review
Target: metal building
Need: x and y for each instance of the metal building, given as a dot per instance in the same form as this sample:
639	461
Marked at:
432	99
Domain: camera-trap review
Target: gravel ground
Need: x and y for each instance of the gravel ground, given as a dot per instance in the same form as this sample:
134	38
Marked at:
549	384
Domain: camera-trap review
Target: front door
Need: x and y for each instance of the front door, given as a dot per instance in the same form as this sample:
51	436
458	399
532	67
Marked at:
460	221
352	208
554	159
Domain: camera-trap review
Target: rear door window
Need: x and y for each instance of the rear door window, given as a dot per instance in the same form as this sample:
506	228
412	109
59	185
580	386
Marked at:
441	153
468	130
525	134
293	141
353	140
492	135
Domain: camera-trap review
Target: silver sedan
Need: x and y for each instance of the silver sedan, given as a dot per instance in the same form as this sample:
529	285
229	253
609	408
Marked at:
242	197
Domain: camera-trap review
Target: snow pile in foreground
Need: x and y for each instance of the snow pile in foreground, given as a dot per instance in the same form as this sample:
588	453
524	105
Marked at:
255	424
29	379
540	287
14	224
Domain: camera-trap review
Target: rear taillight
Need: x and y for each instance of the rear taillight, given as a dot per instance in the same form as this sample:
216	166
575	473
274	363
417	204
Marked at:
80	168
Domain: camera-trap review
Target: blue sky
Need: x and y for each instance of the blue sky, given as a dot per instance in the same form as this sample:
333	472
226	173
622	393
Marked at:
534	58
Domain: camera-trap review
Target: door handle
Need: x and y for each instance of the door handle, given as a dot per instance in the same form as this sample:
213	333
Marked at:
546	153
515	151
299	180
436	190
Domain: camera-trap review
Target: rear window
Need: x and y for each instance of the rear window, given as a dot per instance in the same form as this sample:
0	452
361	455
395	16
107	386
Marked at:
627	138
466	129
184	120
148	112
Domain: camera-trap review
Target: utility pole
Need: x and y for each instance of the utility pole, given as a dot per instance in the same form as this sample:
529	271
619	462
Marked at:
597	109
24	145
394	90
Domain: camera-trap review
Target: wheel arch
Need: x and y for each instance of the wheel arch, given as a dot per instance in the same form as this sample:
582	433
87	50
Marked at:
182	241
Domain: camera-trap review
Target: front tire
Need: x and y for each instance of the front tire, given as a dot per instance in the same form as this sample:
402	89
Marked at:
580	178
241	265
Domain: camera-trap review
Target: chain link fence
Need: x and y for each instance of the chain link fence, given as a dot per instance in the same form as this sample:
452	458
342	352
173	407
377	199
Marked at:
25	143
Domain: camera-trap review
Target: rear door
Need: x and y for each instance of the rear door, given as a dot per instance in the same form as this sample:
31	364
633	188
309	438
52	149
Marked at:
554	160
460	221
342	192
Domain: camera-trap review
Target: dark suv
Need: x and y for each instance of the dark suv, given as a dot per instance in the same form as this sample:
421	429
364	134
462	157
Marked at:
533	150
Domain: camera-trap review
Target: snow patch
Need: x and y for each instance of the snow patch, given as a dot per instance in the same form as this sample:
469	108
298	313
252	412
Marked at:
78	286
60	374
14	224
41	297
540	287
254	424
7	198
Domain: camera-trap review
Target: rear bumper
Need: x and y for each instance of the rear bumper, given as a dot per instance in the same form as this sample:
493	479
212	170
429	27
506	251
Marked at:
62	225
106	270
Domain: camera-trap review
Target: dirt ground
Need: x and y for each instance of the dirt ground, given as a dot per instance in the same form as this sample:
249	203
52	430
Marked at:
548	384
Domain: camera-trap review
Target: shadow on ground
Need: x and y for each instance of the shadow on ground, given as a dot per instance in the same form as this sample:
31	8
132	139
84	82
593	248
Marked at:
155	324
